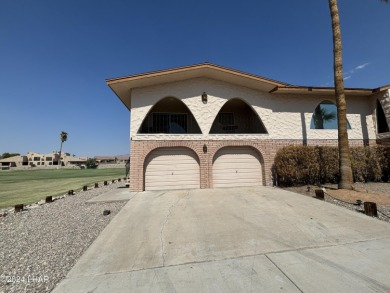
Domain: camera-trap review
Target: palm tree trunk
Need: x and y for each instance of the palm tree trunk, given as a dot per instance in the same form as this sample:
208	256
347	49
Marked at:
59	158
346	178
318	118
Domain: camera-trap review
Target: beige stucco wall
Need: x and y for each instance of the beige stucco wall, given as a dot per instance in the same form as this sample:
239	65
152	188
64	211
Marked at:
284	116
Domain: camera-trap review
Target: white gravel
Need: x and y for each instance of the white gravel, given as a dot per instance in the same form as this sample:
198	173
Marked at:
39	246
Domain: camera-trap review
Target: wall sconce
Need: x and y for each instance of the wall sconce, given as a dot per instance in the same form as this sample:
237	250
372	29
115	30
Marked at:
204	98
205	148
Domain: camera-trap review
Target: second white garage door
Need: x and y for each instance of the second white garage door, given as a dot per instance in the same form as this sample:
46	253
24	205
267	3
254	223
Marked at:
236	166
172	168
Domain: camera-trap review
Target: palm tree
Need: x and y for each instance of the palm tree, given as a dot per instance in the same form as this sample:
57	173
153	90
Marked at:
63	137
322	115
346	178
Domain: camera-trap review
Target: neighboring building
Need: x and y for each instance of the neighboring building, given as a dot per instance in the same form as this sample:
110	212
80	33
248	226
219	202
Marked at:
111	159
41	160
206	126
15	161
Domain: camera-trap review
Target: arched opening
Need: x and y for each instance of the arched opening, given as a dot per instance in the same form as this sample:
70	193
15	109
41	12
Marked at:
325	116
236	116
381	121
170	115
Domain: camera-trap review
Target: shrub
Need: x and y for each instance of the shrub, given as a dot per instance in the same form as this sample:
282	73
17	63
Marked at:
91	163
329	164
298	165
383	155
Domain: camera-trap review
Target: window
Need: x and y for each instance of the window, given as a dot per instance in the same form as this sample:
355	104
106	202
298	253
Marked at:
236	116
168	123
169	115
381	122
226	118
37	158
49	158
325	117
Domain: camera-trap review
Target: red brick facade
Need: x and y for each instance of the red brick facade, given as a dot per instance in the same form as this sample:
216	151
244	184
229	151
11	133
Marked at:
266	148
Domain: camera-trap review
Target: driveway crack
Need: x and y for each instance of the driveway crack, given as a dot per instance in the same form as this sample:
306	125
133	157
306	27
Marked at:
283	272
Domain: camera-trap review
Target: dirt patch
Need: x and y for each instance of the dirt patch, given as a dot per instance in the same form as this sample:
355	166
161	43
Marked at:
353	195
375	192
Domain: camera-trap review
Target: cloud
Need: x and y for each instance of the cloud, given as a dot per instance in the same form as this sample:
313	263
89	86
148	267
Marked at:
352	71
362	66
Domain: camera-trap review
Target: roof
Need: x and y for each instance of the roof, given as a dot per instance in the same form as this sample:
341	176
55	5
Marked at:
75	159
104	157
121	157
306	90
122	86
11	159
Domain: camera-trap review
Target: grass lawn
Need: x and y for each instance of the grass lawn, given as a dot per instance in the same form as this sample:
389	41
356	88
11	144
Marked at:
28	186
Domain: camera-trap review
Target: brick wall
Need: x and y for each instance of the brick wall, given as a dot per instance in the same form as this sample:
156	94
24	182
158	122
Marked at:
266	148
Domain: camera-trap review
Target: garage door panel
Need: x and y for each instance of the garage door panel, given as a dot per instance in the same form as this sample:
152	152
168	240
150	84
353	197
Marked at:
172	168
234	166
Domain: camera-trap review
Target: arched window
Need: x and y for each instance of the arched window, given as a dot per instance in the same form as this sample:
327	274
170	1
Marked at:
236	116
325	116
169	115
381	122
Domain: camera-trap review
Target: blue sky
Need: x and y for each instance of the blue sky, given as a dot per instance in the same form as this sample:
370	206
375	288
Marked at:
56	55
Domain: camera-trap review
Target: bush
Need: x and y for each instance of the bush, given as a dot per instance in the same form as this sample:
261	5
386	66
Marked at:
295	165
383	155
329	165
300	165
91	163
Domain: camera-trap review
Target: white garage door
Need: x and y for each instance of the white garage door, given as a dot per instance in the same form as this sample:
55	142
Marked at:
236	166
172	168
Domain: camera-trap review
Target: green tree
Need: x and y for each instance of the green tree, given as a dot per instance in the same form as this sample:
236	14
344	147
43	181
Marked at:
63	138
346	178
91	163
8	155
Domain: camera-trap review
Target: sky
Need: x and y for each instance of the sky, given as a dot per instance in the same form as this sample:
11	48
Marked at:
56	55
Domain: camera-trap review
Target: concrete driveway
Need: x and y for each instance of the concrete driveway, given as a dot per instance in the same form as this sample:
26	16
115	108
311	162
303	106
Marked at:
234	240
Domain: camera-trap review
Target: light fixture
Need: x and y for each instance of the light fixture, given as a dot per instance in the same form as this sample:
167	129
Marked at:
205	148
204	98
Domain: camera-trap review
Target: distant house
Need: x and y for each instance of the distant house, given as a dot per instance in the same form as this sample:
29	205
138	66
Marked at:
111	159
34	159
14	161
207	126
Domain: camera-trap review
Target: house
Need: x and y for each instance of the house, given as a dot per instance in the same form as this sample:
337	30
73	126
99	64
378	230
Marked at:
207	126
34	159
111	159
14	161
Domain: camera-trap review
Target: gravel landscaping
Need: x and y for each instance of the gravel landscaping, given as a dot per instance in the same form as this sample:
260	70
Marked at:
374	192
40	245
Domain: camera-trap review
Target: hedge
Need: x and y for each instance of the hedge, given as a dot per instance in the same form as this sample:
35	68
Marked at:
301	165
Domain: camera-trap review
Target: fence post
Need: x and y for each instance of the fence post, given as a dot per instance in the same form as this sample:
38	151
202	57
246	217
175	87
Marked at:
370	209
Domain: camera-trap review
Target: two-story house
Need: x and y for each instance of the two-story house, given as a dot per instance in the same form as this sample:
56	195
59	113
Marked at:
207	126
